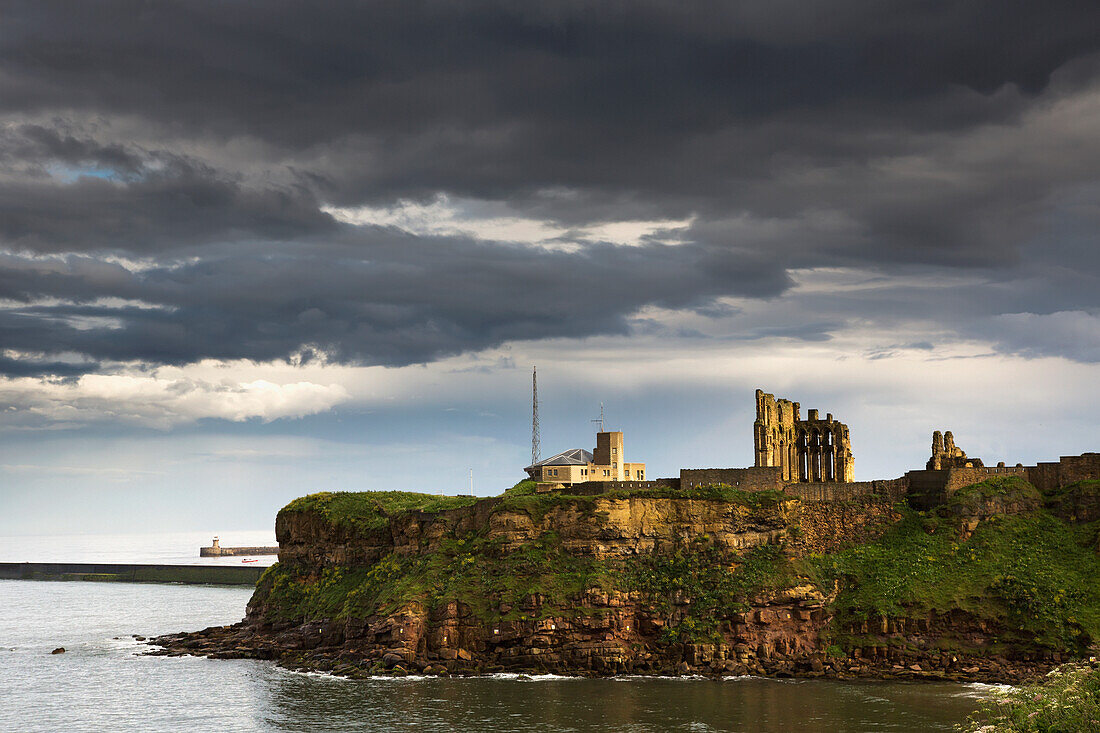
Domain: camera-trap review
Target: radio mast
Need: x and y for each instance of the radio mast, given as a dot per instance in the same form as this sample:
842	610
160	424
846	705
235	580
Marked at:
535	448
599	422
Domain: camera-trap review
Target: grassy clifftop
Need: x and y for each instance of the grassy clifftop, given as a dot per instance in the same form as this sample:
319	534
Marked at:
372	510
997	553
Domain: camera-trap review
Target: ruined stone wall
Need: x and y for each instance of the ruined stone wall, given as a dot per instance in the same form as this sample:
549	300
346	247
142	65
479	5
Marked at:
945	454
773	434
1068	470
757	478
810	450
893	490
957	478
594	488
928	488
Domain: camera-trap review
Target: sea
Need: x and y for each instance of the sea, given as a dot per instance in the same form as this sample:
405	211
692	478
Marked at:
104	681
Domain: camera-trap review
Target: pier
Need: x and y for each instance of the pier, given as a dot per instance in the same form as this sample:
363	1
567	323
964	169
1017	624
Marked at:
216	550
124	573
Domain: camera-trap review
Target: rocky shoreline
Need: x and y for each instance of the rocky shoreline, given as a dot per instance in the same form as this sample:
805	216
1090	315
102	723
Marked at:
238	641
779	639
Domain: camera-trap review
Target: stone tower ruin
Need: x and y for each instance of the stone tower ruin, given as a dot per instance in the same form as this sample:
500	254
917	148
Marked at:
945	454
810	450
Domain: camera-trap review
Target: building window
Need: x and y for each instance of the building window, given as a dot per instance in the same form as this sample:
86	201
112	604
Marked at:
613	451
615	465
641	475
627	473
606	472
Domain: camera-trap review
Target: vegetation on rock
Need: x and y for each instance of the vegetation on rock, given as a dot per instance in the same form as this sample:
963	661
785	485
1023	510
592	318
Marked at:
1028	573
715	587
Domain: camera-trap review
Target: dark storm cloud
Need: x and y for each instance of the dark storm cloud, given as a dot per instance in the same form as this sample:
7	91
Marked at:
205	138
414	300
122	198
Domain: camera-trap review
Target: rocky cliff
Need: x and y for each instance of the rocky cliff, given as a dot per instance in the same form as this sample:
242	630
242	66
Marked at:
710	581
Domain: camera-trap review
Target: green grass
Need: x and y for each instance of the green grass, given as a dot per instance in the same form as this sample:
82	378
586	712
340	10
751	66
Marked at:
1081	498
1090	487
368	511
1067	701
525	487
372	510
1028	572
976	498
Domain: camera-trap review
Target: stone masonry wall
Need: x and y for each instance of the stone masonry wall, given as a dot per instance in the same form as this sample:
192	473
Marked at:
595	488
1068	470
757	478
893	490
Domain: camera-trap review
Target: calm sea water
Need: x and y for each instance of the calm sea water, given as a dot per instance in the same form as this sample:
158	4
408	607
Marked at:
103	683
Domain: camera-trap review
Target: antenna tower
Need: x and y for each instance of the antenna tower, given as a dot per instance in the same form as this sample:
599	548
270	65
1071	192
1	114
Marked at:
535	448
599	423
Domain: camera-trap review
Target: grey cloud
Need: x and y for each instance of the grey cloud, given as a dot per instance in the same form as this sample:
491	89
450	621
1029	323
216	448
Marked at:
1075	334
377	297
177	203
35	368
852	133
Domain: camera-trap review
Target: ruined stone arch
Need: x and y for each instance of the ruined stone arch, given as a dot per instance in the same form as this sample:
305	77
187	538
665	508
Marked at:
815	449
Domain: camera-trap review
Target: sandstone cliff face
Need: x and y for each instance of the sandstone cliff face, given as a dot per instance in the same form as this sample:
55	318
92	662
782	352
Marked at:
604	621
602	528
597	631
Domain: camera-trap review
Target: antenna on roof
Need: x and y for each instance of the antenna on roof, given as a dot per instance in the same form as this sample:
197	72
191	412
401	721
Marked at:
535	448
599	422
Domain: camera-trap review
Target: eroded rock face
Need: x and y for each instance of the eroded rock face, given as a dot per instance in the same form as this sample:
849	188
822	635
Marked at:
606	528
607	634
597	632
784	632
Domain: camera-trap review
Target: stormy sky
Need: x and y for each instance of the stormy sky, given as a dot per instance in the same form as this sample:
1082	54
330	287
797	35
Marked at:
250	250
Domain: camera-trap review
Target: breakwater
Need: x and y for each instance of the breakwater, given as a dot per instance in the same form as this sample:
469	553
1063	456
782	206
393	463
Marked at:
131	573
217	551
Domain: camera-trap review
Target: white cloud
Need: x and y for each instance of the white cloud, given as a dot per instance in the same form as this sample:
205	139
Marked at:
161	401
447	216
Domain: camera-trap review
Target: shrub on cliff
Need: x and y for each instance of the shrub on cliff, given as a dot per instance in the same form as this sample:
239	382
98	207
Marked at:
1067	701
